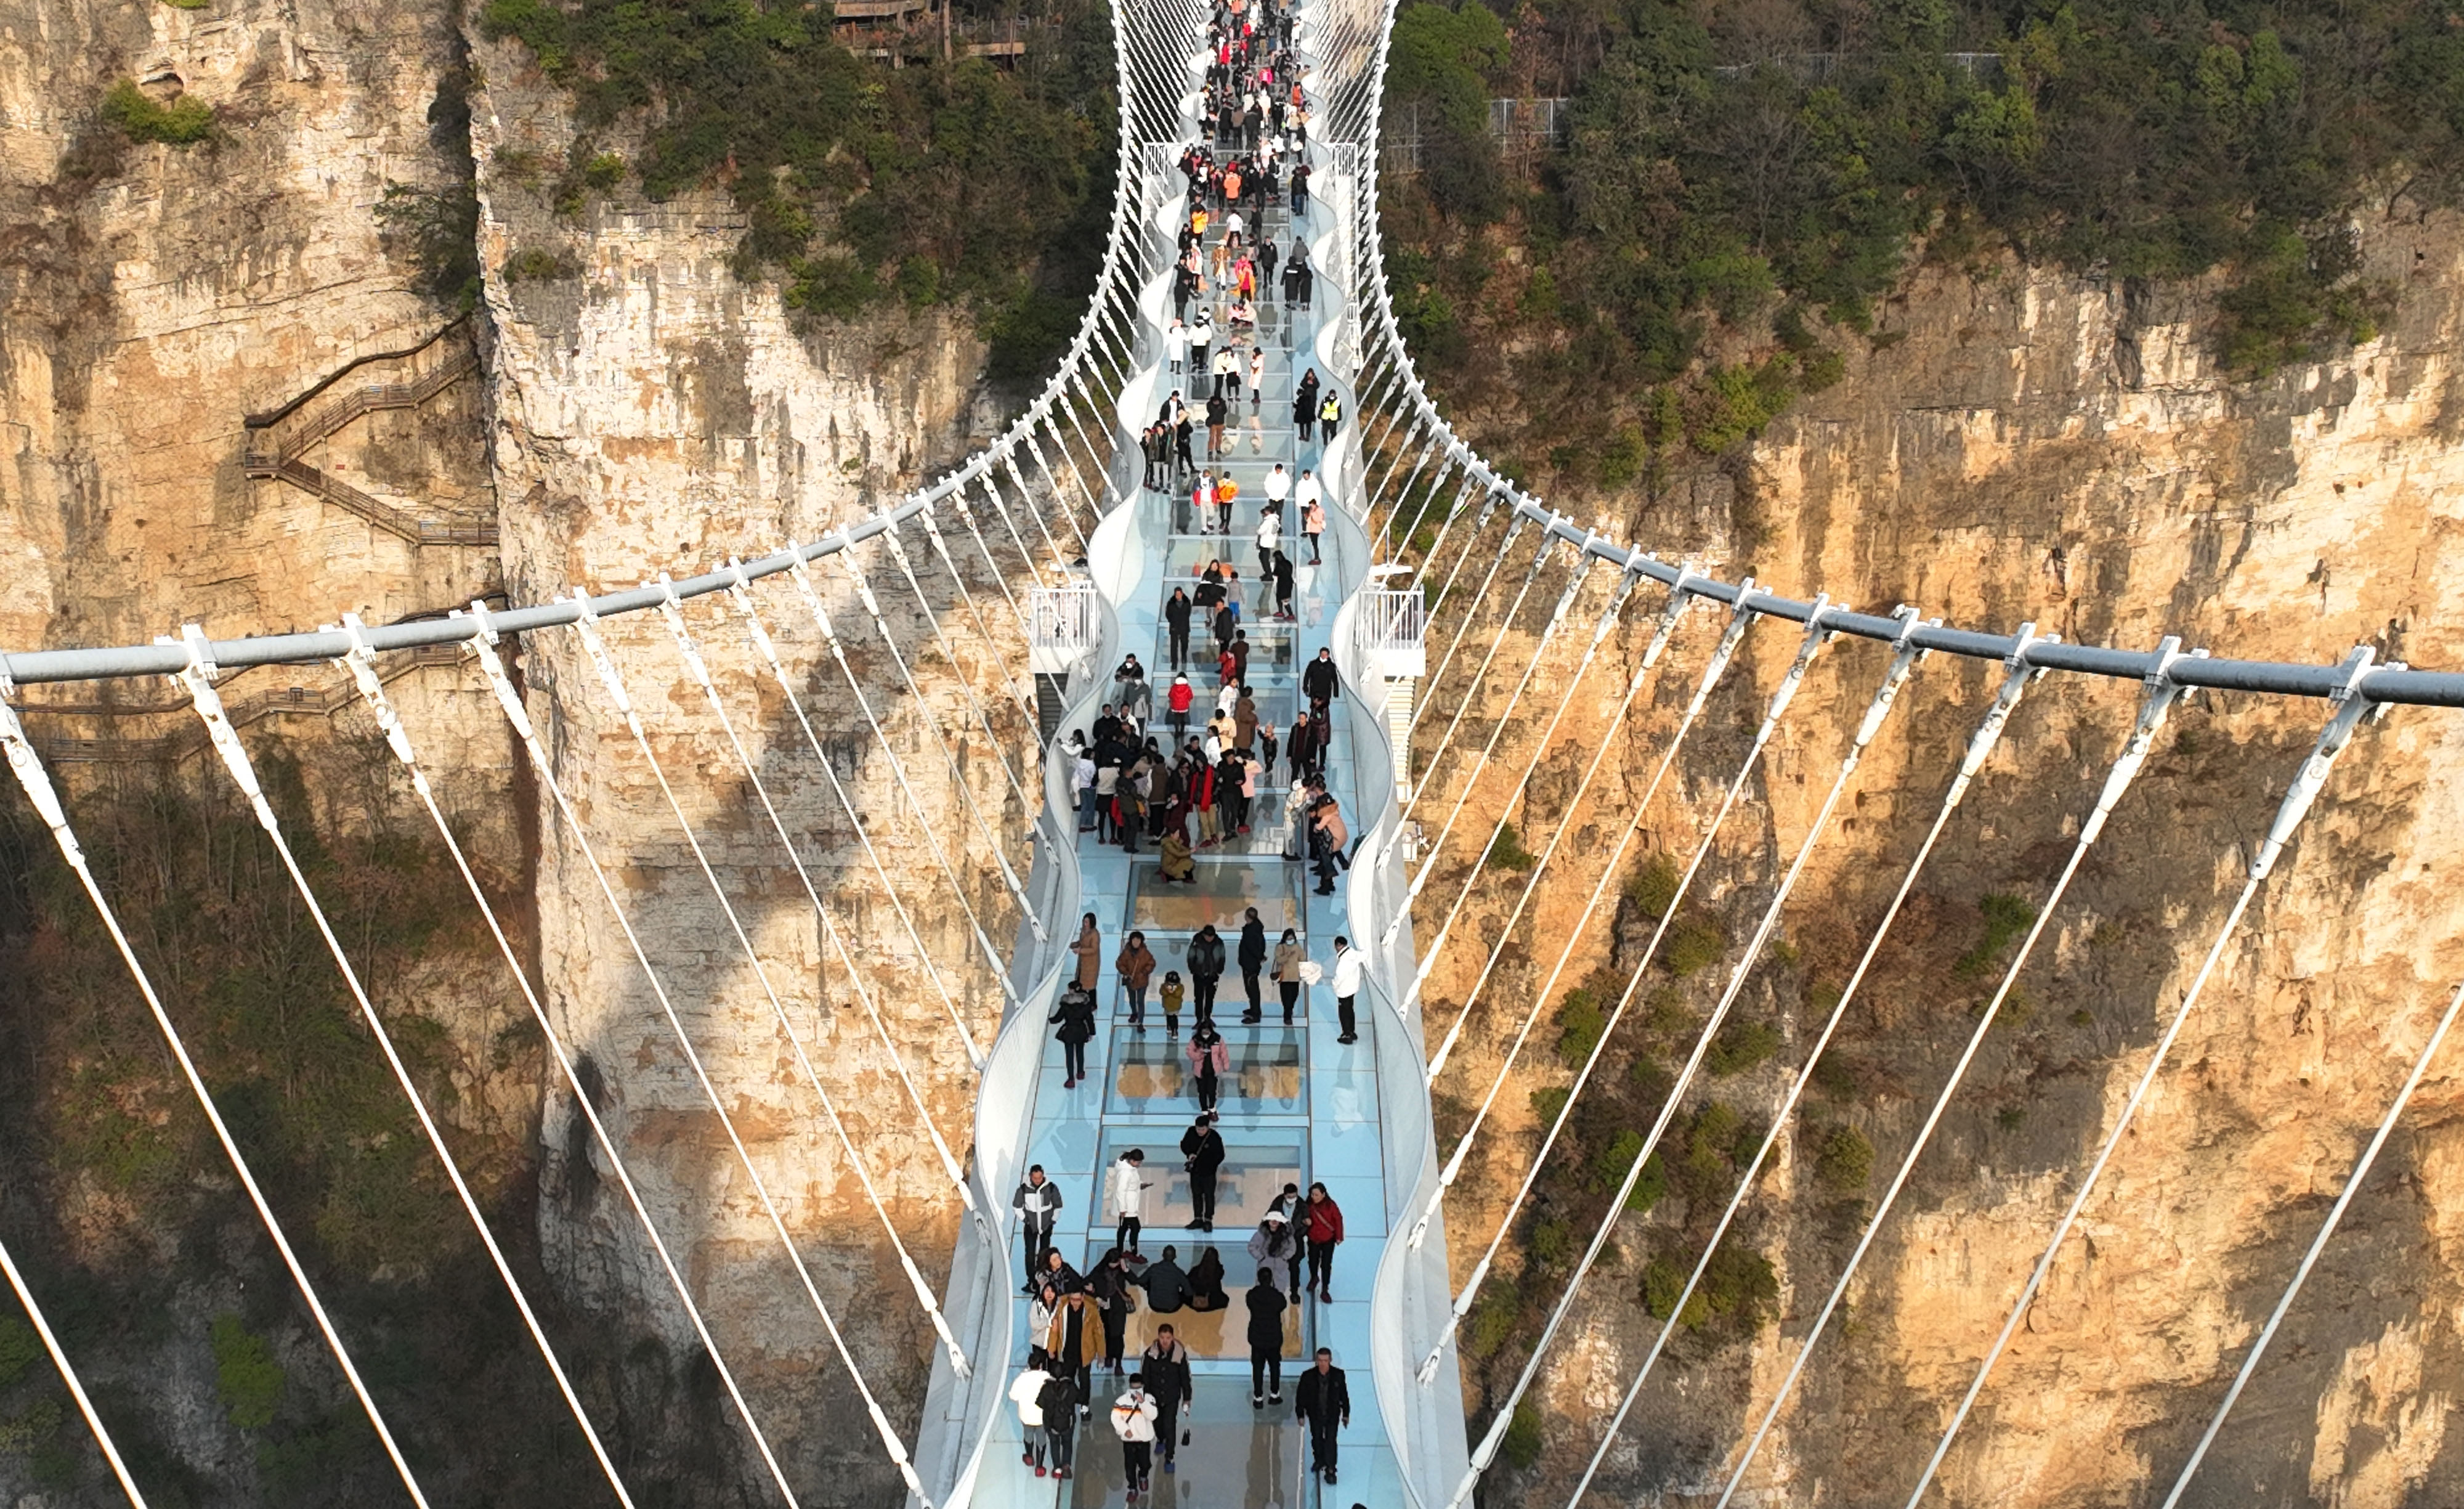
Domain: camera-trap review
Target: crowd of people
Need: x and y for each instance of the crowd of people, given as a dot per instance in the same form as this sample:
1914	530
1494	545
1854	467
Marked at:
1078	1323
1184	769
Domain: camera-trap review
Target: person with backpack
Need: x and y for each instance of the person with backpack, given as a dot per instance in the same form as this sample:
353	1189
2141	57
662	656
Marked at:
1133	1421
1059	1404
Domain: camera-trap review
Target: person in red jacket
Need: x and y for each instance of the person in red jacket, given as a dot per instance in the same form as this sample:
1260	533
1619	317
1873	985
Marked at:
1178	701
1325	1233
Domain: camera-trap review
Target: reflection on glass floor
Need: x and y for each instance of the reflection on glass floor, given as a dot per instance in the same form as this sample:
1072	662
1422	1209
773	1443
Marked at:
1236	1458
1220	895
1258	1161
1151	1076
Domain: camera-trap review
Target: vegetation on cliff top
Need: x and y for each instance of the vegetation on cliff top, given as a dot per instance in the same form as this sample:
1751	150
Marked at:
1744	181
863	185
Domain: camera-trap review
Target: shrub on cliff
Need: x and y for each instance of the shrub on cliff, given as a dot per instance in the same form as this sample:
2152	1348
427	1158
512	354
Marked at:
182	122
993	186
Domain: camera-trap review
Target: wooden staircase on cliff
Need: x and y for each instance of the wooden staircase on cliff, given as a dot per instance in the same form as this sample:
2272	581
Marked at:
277	440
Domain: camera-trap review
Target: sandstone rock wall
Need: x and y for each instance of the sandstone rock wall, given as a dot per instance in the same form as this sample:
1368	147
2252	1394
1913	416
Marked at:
656	415
2019	444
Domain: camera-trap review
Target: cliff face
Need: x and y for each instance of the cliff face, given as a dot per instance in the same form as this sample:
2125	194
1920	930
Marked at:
656	415
2019	444
648	413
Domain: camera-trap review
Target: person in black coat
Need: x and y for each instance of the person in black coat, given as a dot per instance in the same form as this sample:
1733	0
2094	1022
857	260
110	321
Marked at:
1266	1305
1166	1284
1176	617
1204	957
1202	1147
1268	255
1321	682
1253	963
1325	1401
1075	1019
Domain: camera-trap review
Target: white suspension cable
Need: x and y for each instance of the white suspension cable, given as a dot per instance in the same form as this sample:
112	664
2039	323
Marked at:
69	1375
1514	529
586	627
2318	1244
759	633
673	612
1676	606
198	680
1904	662
1815	637
2156	705
360	662
1739	619
1480	766
1020	696
958	774
37	783
898	767
2350	709
1026	556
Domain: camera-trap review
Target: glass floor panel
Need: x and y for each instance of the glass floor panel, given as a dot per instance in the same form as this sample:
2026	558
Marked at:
1221	894
1151	1077
1236	1458
1258	1163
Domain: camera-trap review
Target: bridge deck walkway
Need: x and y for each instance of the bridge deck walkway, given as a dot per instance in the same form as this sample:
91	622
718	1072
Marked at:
1298	1106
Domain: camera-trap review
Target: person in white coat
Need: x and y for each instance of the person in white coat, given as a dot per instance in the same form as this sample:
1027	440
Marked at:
1133	1421
1176	344
1270	539
1027	1393
1349	967
1129	1190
